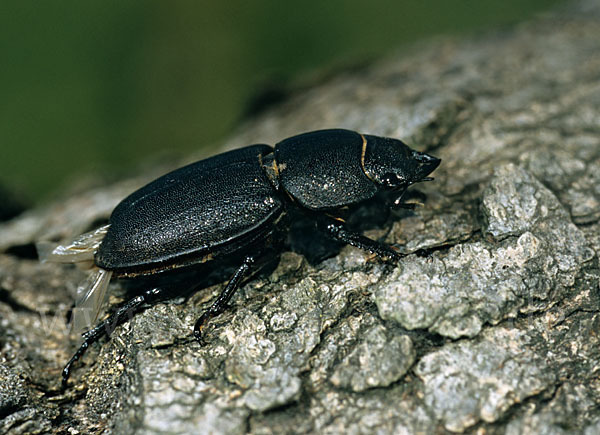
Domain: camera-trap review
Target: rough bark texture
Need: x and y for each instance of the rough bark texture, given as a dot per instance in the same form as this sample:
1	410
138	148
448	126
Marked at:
496	328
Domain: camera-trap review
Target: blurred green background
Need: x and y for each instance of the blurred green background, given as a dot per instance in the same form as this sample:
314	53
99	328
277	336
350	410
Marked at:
98	86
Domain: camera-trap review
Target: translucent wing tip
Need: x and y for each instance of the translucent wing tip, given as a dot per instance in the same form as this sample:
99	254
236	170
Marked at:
91	297
45	250
80	250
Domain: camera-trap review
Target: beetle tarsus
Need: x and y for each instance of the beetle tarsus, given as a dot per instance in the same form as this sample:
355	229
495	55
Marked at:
66	373
107	326
220	304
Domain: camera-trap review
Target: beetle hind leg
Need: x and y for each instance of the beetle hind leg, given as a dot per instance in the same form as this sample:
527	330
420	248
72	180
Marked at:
336	230
220	304
107	326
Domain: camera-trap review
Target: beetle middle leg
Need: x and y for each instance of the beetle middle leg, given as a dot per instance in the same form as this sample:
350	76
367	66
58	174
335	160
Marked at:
220	304
336	230
107	326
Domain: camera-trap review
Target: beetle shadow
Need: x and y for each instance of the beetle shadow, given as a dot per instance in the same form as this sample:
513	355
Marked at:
186	281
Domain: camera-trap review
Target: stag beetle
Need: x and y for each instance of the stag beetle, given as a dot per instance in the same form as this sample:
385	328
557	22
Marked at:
232	203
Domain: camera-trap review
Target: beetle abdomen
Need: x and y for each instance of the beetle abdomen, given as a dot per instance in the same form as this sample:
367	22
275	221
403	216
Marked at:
322	169
190	212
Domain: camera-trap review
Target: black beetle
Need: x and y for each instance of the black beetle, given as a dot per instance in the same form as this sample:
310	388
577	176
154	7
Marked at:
232	204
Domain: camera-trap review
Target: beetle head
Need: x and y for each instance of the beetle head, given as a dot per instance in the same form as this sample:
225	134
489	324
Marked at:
394	166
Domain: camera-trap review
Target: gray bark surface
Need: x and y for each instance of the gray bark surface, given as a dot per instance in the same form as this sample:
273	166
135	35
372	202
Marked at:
496	328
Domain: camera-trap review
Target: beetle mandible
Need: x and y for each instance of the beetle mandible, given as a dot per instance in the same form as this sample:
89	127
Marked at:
232	203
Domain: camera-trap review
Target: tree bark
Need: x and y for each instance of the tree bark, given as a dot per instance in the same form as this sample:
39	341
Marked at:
491	322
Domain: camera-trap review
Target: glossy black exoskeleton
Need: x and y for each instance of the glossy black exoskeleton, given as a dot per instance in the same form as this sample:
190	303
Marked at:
232	204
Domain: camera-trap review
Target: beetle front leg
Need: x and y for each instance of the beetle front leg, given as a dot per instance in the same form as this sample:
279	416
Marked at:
220	304
336	230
